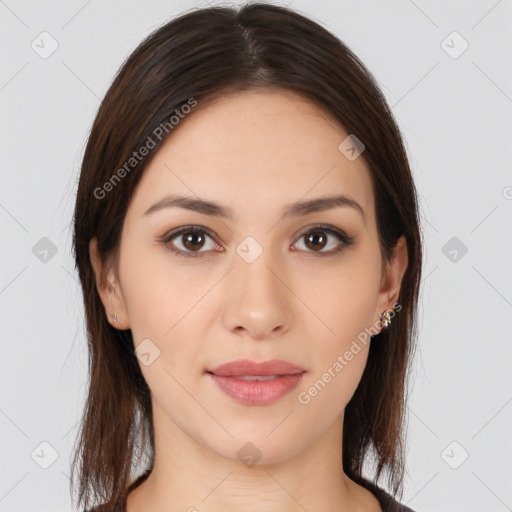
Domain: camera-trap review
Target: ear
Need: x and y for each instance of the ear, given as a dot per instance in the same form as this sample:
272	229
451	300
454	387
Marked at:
391	280
108	289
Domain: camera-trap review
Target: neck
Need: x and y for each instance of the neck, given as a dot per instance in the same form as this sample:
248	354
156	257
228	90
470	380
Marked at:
189	476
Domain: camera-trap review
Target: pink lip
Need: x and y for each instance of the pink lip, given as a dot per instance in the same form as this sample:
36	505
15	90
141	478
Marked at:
248	367
257	392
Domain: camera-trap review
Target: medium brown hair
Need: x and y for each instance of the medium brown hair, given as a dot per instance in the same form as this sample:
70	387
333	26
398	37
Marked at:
204	54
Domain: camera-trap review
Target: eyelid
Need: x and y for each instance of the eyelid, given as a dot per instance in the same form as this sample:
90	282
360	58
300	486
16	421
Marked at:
325	227
343	238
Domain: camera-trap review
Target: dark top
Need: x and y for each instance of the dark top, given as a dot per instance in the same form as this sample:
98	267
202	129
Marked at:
387	502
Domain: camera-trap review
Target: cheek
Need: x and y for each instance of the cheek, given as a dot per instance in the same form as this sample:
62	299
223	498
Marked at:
163	305
331	385
344	301
158	294
336	371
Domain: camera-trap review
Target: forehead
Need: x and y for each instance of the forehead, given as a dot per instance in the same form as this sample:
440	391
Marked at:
255	151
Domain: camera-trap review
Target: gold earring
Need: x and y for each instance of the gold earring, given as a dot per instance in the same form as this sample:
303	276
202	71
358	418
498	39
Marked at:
385	319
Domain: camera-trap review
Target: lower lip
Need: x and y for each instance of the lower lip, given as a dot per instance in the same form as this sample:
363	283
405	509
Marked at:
256	392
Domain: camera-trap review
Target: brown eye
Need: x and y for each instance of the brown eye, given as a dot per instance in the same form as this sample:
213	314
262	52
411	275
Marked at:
328	238
189	242
316	240
193	240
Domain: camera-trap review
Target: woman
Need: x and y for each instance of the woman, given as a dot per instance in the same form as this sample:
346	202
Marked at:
248	244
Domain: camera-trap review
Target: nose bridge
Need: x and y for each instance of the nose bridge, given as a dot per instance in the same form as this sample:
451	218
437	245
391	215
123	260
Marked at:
258	299
256	268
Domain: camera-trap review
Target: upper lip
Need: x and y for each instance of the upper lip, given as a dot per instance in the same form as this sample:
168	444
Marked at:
248	367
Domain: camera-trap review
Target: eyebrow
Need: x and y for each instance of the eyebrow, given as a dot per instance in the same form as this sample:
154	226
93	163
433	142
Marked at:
216	210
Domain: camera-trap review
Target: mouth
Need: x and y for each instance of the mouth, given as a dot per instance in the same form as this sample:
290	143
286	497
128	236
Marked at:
253	383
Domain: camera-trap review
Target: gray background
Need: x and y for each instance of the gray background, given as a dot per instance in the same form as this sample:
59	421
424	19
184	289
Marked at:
455	112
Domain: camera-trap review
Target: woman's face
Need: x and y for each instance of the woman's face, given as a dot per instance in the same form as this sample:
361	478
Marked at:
255	284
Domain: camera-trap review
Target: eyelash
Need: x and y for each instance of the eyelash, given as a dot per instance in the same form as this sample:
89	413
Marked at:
340	235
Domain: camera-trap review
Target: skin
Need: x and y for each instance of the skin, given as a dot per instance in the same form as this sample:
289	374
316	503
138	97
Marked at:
254	152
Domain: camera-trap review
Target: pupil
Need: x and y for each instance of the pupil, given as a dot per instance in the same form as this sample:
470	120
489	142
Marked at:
315	236
190	240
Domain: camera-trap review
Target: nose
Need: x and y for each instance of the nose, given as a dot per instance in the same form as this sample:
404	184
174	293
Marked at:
258	302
